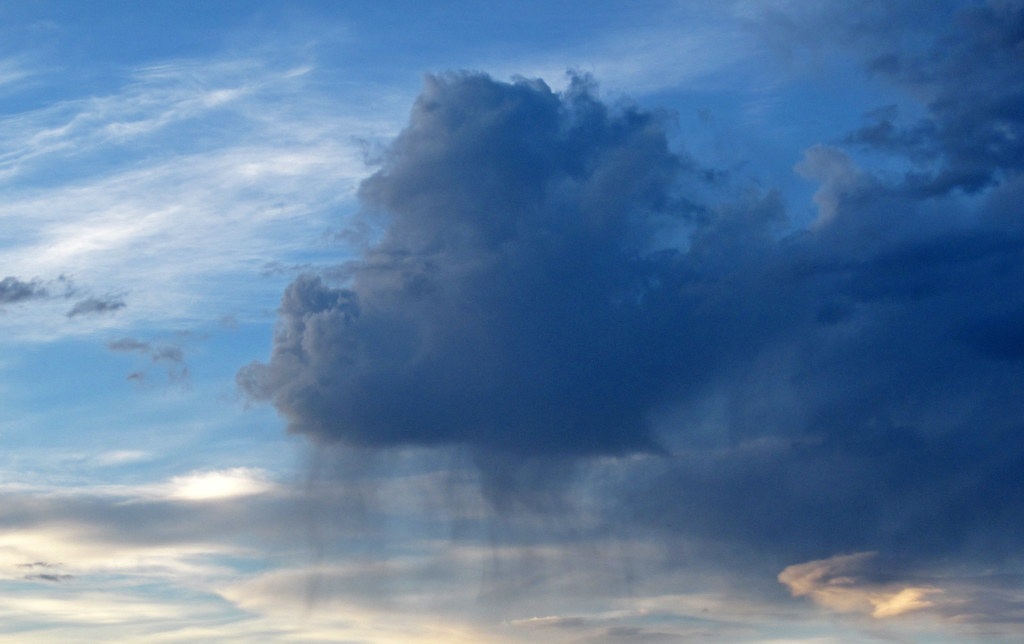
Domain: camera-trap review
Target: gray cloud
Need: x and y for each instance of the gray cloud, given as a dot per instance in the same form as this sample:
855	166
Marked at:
92	305
550	287
968	70
171	355
512	301
129	345
13	290
49	577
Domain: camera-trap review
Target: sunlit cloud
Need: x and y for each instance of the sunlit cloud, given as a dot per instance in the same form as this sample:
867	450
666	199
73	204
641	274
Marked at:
235	482
838	583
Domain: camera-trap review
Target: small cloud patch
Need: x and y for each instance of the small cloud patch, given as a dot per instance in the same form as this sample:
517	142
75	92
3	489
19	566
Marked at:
846	584
96	305
220	484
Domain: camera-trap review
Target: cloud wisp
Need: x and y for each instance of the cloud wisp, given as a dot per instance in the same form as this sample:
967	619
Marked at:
116	217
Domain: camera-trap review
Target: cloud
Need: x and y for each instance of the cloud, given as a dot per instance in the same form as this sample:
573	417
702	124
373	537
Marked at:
833	169
554	292
49	577
669	46
868	584
12	70
437	584
129	345
92	305
116	216
551	290
504	306
235	482
962	63
13	290
119	457
837	583
171	355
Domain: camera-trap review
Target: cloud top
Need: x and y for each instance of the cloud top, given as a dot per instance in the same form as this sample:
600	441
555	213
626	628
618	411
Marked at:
516	300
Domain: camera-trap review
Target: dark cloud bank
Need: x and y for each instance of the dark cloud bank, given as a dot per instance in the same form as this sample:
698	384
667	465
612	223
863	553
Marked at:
553	284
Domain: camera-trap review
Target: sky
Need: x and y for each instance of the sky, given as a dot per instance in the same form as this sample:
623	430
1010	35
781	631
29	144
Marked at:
554	322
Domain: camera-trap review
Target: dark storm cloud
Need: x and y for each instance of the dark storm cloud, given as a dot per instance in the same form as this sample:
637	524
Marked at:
92	305
547	289
13	290
969	72
516	301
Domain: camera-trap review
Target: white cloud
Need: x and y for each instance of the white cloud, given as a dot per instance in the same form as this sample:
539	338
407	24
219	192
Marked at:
673	49
119	457
220	484
12	70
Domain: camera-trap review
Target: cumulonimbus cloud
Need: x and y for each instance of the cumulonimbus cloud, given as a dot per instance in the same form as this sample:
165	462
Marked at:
552	282
517	301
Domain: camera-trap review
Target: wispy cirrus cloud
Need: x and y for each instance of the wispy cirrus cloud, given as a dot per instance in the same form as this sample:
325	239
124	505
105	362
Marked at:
189	177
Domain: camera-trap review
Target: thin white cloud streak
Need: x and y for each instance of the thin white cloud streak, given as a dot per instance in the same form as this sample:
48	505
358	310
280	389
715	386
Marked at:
164	193
152	100
220	484
12	70
671	50
118	457
197	485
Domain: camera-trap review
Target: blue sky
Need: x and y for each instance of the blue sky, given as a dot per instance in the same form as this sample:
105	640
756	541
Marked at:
519	322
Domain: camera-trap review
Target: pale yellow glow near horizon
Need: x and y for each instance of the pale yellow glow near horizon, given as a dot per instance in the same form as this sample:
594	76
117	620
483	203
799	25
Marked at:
219	484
